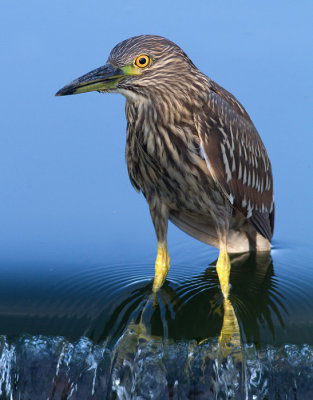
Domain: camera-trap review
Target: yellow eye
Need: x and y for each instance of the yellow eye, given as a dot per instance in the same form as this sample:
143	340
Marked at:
142	61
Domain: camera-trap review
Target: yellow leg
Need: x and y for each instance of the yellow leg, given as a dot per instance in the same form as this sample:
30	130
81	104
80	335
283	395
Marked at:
223	271
162	265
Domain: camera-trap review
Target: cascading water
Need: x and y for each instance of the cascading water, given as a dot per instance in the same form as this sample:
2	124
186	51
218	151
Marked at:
53	368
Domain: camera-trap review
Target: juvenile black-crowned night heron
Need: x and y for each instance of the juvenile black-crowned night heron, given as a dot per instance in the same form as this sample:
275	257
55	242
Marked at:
191	149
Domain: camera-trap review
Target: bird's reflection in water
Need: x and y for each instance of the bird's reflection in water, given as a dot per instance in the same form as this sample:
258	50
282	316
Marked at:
194	332
197	311
229	339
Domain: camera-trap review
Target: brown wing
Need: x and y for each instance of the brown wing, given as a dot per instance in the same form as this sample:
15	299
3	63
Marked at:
237	158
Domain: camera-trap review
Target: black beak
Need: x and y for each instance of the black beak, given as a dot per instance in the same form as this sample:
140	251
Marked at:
100	79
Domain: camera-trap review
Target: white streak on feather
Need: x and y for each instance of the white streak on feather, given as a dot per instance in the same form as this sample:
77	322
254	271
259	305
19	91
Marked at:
240	171
244	175
226	164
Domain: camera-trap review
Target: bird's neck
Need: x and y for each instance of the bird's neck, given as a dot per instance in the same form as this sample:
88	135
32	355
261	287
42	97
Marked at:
169	102
153	127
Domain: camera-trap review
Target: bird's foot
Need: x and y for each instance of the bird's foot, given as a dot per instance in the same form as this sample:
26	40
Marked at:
223	271
162	265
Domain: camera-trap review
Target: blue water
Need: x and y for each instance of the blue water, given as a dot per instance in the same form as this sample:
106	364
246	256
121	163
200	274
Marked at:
95	332
272	296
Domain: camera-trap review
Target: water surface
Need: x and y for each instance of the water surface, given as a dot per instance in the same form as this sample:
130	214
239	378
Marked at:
98	331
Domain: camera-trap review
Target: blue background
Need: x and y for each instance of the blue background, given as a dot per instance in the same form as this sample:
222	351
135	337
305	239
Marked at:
64	189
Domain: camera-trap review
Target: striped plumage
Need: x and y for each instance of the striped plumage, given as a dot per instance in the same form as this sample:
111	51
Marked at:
191	147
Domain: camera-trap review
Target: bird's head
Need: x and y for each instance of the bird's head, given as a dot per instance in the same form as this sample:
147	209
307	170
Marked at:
139	66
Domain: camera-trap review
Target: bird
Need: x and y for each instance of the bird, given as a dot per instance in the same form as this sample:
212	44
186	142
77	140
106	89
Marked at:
191	149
